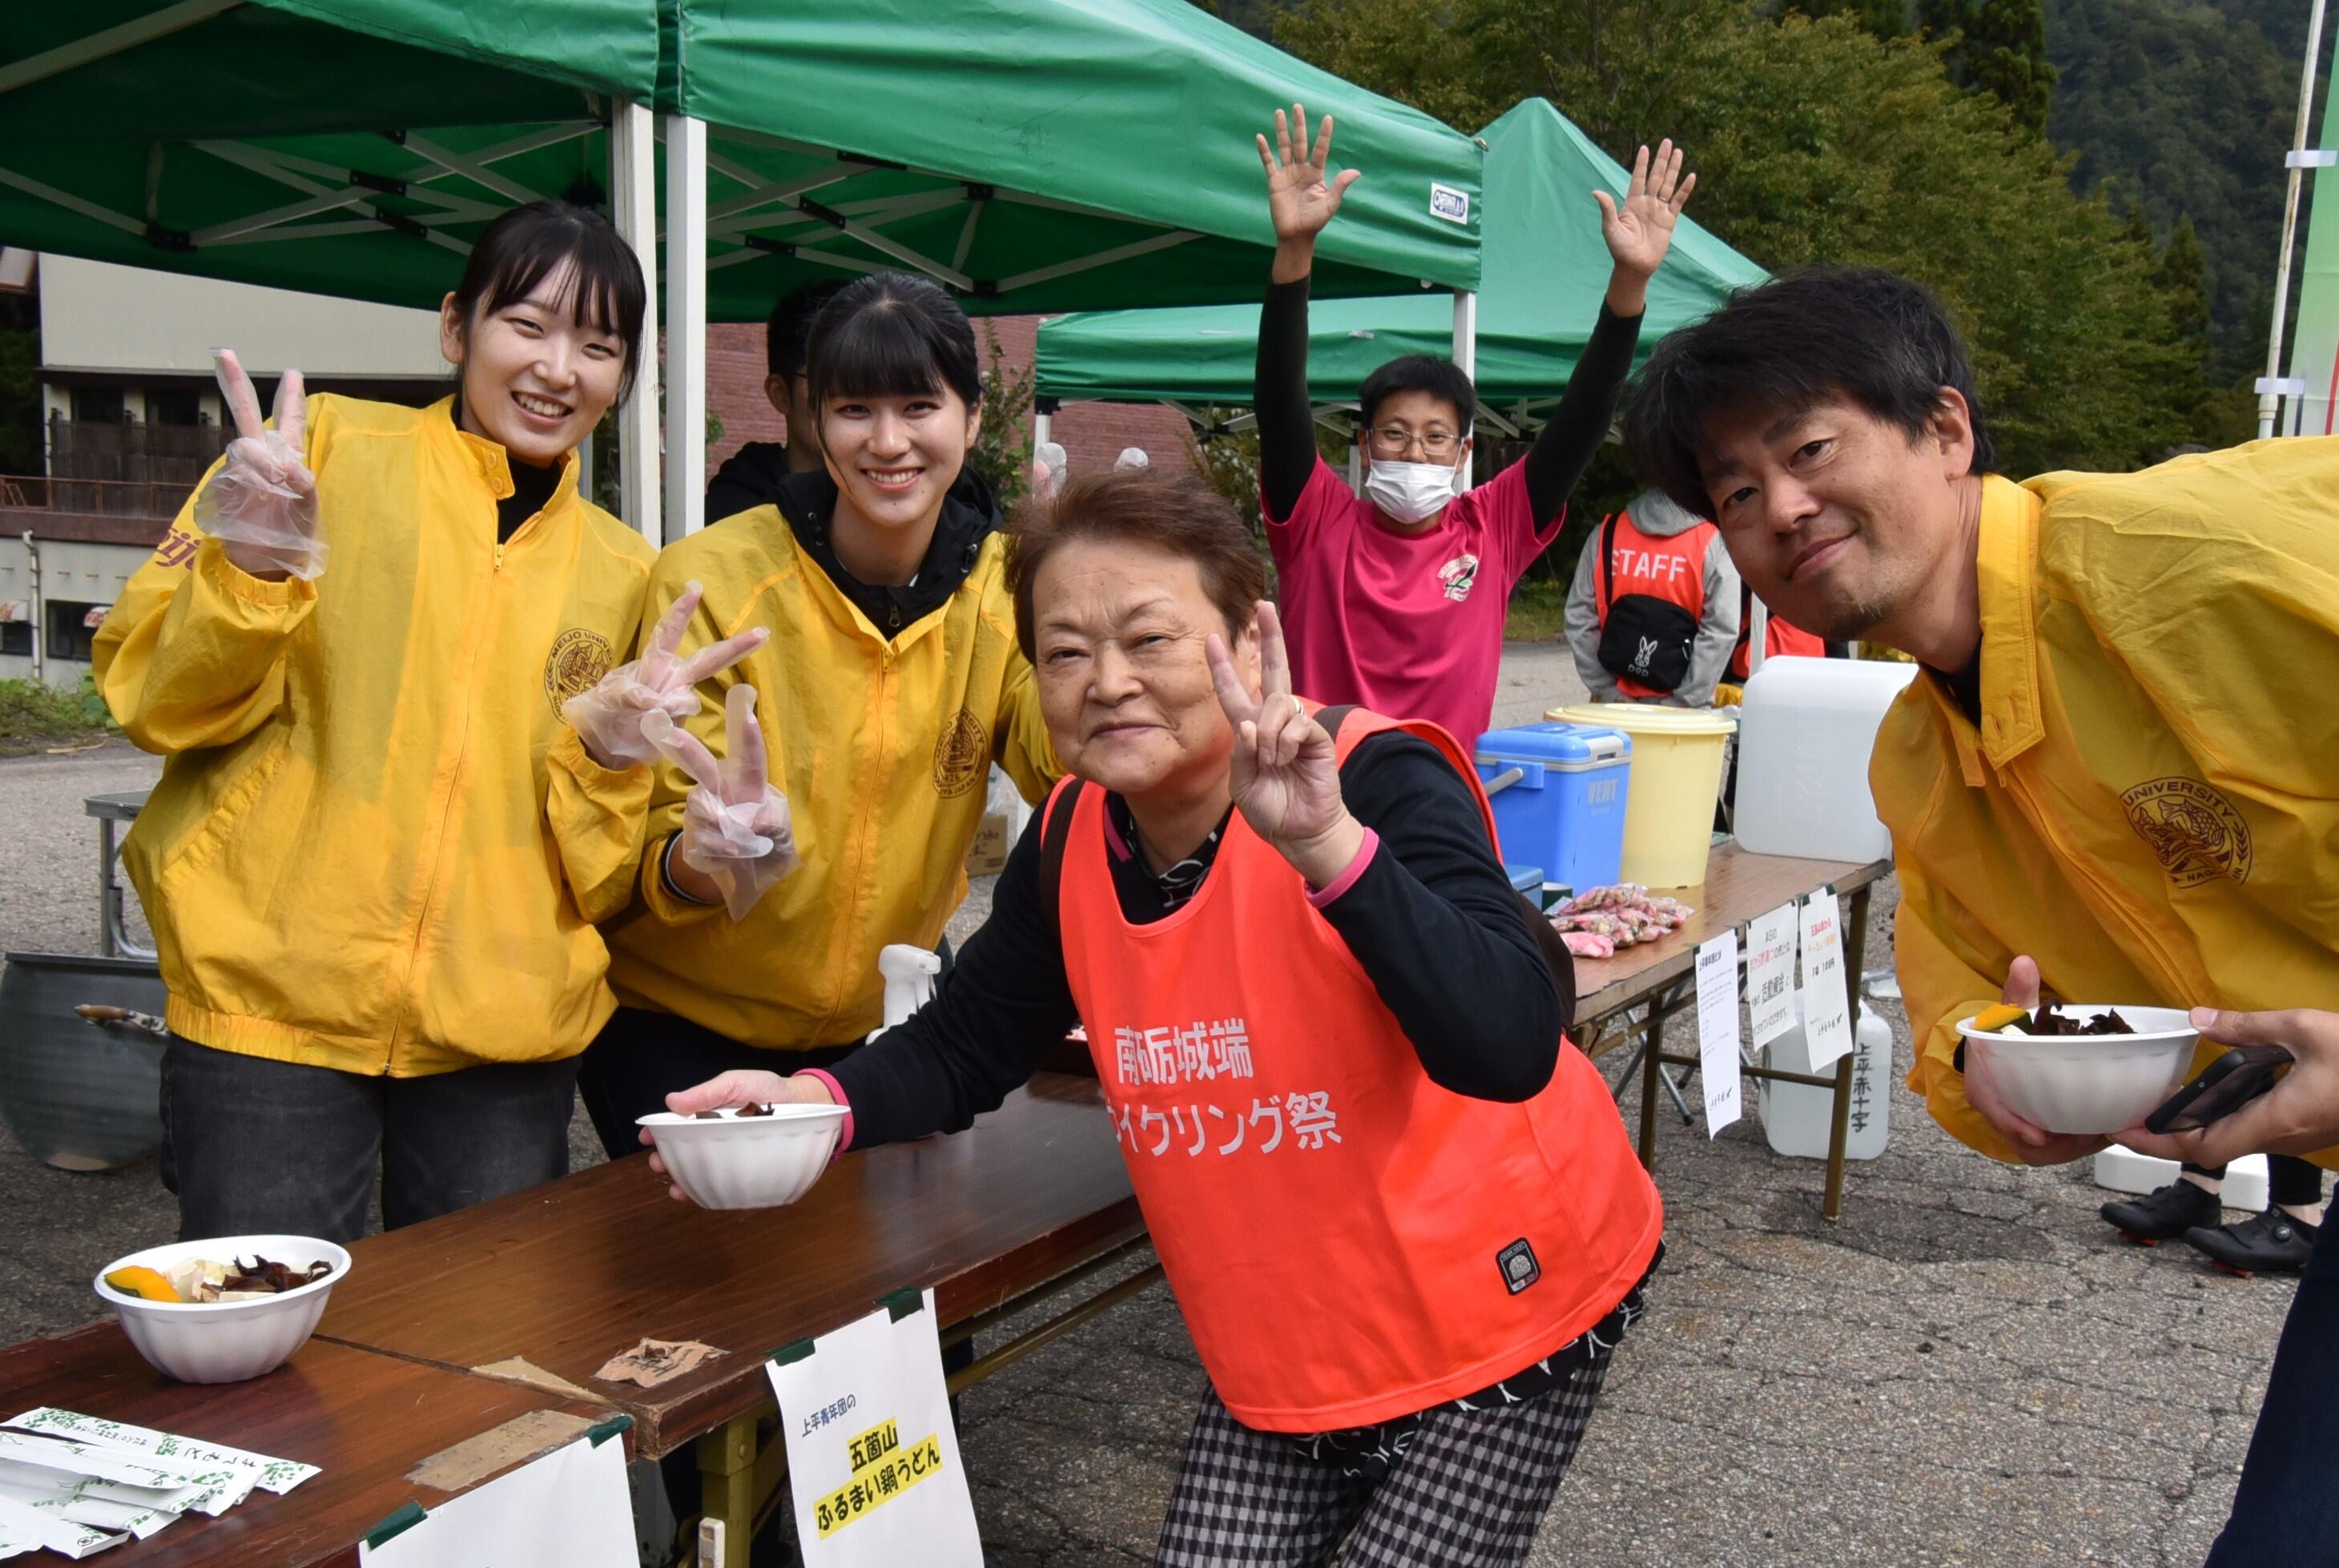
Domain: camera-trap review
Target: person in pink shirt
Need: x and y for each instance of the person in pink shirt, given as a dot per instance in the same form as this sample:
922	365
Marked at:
1395	599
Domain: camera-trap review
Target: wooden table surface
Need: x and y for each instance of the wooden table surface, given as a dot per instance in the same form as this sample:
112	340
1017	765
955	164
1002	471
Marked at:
569	1274
1739	886
364	1420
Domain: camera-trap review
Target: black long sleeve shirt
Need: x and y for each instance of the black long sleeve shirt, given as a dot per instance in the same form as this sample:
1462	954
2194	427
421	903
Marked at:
1432	919
1561	452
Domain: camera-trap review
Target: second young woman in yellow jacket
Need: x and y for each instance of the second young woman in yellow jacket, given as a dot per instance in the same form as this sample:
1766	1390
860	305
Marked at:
377	852
891	683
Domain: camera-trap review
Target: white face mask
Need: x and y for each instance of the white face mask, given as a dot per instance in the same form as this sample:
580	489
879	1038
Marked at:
1410	492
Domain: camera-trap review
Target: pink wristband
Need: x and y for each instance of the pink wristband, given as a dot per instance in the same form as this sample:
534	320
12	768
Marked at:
836	1092
1348	879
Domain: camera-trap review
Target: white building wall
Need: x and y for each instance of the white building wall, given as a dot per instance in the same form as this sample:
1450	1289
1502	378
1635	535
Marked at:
97	316
72	572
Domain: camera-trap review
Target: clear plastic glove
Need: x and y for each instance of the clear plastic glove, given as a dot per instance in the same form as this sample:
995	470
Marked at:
609	718
736	829
262	504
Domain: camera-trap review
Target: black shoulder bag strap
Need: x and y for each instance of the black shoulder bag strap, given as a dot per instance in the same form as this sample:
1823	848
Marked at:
1608	565
1054	834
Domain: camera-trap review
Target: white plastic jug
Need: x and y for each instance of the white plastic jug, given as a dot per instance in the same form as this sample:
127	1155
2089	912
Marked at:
1805	730
1796	1116
909	974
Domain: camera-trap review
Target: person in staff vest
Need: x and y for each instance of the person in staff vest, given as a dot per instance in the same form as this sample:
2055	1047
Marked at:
1301	969
1652	616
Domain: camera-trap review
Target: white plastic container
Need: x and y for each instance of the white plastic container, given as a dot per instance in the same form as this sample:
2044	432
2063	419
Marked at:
224	1341
735	1162
1796	1117
1805	730
2090	1083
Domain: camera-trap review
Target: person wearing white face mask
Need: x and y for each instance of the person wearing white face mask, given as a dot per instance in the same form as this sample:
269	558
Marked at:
1395	599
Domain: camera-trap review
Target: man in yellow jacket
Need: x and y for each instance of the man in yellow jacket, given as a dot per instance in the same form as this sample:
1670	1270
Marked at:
2116	777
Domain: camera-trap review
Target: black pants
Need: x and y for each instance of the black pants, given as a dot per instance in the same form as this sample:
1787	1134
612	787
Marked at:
2289	1179
2285	1510
257	1147
640	1056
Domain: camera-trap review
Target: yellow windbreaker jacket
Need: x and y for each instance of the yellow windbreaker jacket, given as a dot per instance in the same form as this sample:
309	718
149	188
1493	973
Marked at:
376	845
2150	805
883	749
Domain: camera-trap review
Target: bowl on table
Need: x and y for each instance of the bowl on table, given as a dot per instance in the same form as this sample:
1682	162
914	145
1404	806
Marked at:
731	1160
224	1341
2090	1083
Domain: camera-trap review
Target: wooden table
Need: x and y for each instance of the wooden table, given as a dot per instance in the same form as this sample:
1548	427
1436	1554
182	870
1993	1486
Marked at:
364	1420
1739	886
568	1275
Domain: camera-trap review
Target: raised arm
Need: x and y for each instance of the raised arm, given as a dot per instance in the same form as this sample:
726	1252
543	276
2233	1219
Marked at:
1301	201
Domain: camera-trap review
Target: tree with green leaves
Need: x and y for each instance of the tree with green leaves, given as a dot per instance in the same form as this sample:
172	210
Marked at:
1817	141
1998	47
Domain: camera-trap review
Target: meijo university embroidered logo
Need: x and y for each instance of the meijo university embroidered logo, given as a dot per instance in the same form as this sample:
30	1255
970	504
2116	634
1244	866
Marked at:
578	660
960	756
2195	831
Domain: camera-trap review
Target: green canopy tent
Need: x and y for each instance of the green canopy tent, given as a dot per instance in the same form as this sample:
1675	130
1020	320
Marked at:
1013	149
1544	269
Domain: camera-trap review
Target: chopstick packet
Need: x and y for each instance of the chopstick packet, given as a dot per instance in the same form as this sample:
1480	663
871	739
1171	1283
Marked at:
270	1475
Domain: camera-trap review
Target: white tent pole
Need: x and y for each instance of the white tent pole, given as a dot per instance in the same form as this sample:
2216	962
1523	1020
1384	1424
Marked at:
685	332
633	184
2269	396
1466	354
1759	638
1042	424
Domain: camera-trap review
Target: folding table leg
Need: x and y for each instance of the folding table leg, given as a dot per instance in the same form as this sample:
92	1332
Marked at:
726	1480
1650	1070
1839	1116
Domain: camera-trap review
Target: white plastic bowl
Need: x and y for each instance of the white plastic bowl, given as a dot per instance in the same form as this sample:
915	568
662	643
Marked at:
224	1341
2090	1083
747	1162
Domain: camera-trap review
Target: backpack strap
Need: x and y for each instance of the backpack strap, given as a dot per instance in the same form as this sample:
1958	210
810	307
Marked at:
1055	832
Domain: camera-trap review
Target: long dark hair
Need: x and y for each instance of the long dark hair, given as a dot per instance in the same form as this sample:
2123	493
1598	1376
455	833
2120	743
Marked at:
892	335
528	244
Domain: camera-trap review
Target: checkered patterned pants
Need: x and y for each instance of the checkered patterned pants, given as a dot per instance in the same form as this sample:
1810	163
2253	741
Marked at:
1468	1492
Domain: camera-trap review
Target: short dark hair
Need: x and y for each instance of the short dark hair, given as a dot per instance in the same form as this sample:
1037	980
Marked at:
1434	374
528	244
787	330
892	335
1167	509
1786	346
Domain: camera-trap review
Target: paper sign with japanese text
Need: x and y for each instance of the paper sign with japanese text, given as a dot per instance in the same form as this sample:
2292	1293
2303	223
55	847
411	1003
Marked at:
1826	1004
1717	1030
571	1509
873	1463
1770	975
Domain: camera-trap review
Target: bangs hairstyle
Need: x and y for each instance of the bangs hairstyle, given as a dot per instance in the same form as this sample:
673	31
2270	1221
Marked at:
1441	378
1778	351
1164	510
521	250
892	335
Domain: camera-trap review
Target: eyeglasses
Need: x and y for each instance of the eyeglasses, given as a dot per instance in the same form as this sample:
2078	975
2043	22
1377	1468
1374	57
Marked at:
1396	440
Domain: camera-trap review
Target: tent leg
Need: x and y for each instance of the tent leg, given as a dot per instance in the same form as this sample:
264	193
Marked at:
685	332
1043	428
633	184
1466	354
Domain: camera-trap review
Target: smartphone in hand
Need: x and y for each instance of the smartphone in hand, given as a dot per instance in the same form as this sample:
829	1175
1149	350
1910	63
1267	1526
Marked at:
2224	1086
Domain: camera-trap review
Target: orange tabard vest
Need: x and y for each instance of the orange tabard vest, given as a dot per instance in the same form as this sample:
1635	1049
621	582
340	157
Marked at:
1348	1241
1779	636
1672	568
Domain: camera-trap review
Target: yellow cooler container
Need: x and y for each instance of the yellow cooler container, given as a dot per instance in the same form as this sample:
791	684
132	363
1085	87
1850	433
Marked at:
1676	778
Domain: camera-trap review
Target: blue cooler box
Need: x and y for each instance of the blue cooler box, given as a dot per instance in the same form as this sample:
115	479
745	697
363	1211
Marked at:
1565	810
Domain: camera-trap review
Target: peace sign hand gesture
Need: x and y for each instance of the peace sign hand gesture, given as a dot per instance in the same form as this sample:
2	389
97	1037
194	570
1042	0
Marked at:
1641	231
1285	774
1300	199
262	504
609	718
736	828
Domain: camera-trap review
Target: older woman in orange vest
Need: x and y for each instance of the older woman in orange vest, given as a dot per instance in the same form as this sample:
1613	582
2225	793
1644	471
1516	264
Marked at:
1399	1210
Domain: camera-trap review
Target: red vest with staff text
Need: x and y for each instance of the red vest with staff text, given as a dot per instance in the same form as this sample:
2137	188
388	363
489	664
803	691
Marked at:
1672	568
1779	636
1348	1241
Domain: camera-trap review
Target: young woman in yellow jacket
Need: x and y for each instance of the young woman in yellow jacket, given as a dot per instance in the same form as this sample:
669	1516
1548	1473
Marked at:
376	851
891	683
